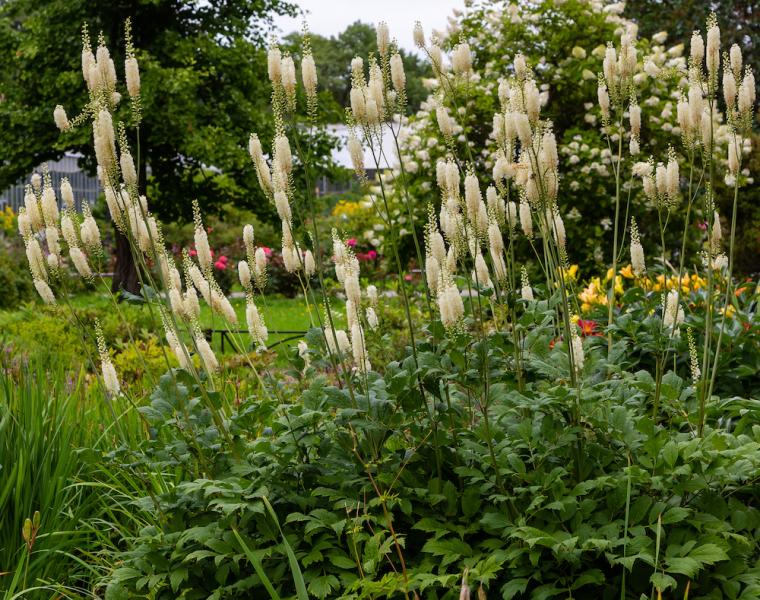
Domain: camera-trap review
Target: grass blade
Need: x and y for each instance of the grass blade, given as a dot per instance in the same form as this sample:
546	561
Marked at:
295	569
257	567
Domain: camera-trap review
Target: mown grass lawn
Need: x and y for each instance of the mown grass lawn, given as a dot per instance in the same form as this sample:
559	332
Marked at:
41	331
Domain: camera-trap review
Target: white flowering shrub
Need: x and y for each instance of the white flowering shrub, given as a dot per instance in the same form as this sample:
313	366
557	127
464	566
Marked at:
565	43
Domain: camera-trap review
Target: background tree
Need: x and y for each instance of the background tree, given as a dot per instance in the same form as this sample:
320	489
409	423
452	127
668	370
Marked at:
204	89
333	57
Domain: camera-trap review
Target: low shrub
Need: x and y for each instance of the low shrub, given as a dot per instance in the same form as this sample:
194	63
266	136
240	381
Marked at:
15	286
544	491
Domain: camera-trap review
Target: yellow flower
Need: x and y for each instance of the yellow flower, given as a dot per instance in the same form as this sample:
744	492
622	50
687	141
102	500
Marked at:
574	319
619	285
343	208
729	312
593	294
8	219
609	275
627	272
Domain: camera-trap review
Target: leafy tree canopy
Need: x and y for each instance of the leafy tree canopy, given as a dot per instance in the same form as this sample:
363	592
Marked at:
204	89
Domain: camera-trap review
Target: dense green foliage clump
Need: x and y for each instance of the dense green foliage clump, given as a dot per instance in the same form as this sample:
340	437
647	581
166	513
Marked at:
543	492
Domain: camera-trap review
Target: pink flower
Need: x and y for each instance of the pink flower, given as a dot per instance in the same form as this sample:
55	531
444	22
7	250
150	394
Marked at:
221	265
267	251
223	258
408	277
702	225
372	254
351	242
193	252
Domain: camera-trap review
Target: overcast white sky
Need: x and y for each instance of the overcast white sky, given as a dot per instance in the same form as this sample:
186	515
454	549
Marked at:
330	17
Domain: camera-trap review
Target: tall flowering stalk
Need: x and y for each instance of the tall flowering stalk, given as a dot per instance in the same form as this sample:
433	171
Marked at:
130	213
616	91
375	103
739	96
108	372
276	182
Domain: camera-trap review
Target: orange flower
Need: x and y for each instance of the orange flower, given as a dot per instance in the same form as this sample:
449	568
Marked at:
588	328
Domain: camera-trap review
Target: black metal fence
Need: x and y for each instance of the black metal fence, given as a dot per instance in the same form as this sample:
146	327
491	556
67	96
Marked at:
224	334
86	187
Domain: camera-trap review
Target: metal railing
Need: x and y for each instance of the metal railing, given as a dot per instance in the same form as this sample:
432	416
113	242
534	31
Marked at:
224	334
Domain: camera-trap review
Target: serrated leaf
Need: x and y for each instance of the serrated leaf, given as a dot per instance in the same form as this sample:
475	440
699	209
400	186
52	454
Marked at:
450	549
323	585
639	508
591	576
341	560
176	577
517	464
514	587
470	502
429	525
533	536
494	521
662	582
683	565
670	453
675	514
547	590
708	554
199	555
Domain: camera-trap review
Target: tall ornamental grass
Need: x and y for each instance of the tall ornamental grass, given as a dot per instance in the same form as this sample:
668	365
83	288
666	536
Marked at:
54	509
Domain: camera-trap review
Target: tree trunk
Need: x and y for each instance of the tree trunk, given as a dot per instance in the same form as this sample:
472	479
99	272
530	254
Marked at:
125	274
125	271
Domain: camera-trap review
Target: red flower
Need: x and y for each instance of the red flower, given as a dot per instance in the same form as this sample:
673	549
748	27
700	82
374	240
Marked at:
193	252
588	327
